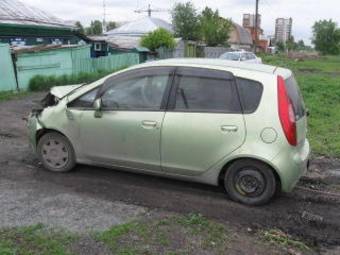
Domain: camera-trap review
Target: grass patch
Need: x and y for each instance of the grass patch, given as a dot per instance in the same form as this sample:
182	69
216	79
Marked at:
171	235
34	239
42	82
9	95
283	240
319	80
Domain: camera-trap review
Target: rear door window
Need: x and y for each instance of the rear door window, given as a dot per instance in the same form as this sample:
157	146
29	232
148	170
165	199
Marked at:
204	90
250	94
295	96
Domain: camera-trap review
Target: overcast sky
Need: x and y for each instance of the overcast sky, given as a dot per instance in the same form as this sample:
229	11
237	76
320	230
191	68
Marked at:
303	12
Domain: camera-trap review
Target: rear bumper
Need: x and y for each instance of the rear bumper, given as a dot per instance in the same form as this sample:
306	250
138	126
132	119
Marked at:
291	165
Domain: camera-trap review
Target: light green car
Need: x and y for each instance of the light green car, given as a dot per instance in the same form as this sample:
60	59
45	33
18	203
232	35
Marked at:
212	121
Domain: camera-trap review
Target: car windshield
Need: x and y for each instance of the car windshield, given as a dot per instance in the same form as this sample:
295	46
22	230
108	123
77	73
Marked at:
231	56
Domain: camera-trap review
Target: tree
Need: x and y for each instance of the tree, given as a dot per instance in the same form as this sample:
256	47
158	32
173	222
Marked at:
185	21
111	25
280	46
158	38
326	37
80	27
95	28
301	45
291	44
214	29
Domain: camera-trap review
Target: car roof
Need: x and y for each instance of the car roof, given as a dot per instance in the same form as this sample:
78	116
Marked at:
219	63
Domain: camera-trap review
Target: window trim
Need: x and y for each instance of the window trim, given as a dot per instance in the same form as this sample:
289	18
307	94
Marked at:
200	72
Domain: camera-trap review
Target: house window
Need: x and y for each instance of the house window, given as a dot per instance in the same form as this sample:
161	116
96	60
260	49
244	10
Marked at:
97	47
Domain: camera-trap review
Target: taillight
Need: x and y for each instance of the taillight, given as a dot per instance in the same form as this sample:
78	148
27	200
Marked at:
286	112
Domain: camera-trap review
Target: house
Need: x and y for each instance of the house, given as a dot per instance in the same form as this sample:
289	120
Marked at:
24	25
240	38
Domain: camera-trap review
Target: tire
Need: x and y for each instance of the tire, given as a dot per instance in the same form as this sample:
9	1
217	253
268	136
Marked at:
56	153
250	182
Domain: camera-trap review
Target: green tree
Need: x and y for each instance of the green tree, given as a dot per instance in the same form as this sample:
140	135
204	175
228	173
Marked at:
111	25
280	46
213	28
326	37
158	38
185	21
80	27
301	45
291	44
95	28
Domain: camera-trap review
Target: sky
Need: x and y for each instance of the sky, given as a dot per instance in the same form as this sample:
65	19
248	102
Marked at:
303	12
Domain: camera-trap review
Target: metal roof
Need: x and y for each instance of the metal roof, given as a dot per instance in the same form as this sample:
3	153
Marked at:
16	12
244	37
140	27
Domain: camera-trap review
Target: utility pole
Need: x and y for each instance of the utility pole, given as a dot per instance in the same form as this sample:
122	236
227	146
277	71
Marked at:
256	24
104	16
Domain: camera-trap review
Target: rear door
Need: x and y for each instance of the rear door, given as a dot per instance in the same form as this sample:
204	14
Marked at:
203	123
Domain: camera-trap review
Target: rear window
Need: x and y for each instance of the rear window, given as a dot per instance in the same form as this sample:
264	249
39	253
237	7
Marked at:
295	97
250	94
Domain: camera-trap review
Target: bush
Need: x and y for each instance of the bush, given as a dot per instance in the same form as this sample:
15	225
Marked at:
158	38
41	82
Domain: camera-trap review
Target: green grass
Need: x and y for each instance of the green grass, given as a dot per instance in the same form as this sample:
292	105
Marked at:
319	80
9	95
162	235
34	240
281	239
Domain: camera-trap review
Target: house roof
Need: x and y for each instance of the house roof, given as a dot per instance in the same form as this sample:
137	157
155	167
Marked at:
140	27
17	13
243	37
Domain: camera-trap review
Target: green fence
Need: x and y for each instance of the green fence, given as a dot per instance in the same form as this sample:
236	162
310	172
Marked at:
68	61
108	63
7	77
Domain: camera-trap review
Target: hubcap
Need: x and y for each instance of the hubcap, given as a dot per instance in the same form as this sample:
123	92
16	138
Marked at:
55	153
250	182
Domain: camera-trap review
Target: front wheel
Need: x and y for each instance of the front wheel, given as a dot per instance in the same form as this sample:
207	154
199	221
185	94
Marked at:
56	152
250	182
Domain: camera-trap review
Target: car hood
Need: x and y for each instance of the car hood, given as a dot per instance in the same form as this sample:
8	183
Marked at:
61	91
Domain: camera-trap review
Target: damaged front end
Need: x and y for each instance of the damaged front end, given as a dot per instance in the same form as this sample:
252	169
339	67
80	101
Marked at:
54	96
48	100
52	99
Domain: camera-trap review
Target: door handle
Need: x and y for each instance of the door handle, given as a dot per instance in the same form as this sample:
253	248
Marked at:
229	128
149	124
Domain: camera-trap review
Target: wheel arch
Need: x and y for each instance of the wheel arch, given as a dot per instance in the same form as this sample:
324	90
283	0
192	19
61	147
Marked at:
227	164
44	131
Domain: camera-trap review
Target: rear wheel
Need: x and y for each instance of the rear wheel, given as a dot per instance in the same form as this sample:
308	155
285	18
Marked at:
56	152
250	182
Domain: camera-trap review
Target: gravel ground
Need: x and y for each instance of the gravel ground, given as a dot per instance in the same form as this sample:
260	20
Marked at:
93	198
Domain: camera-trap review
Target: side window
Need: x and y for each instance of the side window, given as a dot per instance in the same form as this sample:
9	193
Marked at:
249	56
250	94
86	100
139	93
206	94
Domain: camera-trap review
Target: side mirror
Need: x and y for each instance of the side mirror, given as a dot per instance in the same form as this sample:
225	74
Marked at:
97	105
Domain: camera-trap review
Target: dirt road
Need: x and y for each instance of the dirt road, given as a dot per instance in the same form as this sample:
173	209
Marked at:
93	198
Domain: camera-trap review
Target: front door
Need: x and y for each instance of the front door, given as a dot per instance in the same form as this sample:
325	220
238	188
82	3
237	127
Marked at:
127	131
204	122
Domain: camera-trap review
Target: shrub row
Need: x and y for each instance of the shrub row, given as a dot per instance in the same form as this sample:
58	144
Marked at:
42	82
